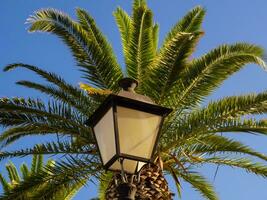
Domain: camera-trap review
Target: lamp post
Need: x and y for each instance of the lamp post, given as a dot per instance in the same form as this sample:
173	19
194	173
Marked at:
126	128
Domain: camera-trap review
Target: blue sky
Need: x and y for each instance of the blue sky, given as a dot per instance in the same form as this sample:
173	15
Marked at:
227	21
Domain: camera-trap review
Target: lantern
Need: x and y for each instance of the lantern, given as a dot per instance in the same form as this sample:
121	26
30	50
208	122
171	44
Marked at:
126	128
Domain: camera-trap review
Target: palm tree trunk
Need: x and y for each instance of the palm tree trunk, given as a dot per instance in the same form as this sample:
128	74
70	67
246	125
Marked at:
151	184
126	191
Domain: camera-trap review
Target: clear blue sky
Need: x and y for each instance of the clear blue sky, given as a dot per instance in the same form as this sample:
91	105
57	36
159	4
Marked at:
227	21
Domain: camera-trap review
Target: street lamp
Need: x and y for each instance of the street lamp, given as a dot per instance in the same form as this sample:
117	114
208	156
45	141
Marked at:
126	128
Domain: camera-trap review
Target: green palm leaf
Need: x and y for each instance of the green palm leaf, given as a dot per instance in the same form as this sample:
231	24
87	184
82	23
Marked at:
190	23
51	149
124	23
33	117
200	184
169	63
105	178
214	144
59	175
206	73
155	33
139	53
177	47
37	166
99	67
60	95
88	24
229	108
83	102
243	163
182	134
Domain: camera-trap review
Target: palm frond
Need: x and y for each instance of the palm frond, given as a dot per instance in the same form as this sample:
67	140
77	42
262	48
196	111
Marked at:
43	113
104	181
33	117
83	103
140	51
62	192
155	32
4	183
12	173
215	144
63	173
99	66
13	134
223	115
204	74
124	23
88	24
139	3
24	170
229	108
248	125
62	96
94	91
190	23
50	148
174	175
169	63
200	184
182	134
177	47
243	163
67	193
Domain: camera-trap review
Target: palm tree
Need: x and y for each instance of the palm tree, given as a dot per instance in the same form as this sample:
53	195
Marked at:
192	135
37	166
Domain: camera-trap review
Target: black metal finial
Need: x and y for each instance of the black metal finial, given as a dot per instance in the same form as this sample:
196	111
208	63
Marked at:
128	84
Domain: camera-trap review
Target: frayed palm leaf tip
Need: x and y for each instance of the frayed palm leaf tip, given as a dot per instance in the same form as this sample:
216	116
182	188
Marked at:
93	91
10	67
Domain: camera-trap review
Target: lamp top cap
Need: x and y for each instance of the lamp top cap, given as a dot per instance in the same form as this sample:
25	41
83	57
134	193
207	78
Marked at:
128	84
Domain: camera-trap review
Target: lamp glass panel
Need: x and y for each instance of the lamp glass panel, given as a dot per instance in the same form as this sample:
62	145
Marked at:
137	131
105	136
129	166
140	165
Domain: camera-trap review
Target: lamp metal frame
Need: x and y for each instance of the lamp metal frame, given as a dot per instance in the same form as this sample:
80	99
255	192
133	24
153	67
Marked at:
112	101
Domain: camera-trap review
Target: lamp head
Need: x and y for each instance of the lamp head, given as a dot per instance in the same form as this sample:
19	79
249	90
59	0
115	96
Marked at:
127	128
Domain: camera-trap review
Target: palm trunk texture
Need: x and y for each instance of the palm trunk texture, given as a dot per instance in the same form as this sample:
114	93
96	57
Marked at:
151	185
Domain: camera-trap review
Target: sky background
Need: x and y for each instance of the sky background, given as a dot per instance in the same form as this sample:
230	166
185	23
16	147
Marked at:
226	21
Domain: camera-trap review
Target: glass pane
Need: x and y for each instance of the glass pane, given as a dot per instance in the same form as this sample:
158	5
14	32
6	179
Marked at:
140	165
137	131
129	166
104	132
